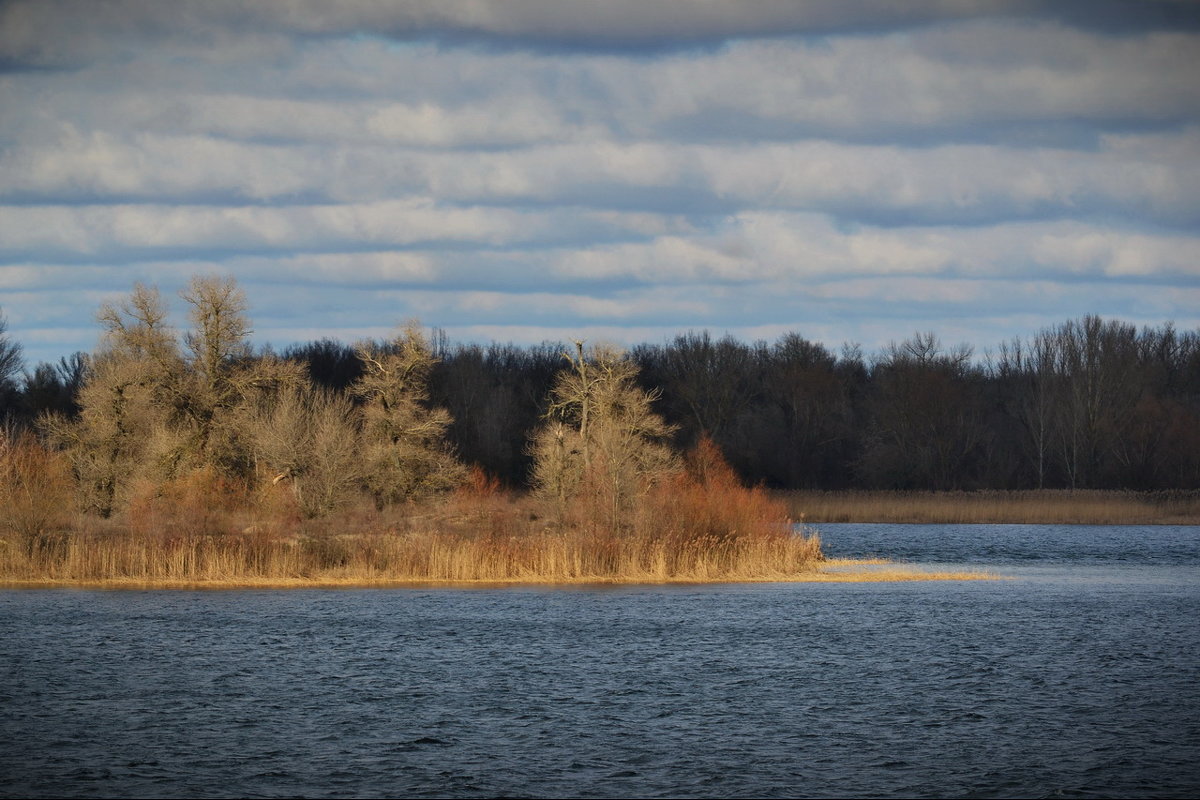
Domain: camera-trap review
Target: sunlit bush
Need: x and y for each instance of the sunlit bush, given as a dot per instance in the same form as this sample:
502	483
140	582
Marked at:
36	492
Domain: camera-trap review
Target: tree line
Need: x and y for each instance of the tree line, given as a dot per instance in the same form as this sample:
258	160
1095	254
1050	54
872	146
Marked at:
1088	403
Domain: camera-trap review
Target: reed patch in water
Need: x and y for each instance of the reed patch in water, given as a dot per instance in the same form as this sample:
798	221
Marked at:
997	507
696	523
410	556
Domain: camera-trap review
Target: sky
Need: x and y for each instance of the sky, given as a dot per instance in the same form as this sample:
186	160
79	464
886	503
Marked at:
621	171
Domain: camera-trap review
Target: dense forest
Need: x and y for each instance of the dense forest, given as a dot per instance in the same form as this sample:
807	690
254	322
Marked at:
1088	403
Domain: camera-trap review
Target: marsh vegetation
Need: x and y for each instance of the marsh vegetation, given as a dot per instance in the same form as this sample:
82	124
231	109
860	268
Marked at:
192	459
1046	506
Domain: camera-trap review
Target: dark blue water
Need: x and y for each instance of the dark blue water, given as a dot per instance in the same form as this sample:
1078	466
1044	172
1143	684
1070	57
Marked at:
1078	677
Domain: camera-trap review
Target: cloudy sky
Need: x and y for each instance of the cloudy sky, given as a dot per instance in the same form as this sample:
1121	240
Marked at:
524	170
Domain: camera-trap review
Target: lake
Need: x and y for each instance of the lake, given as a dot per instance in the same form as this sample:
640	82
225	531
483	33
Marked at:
1079	677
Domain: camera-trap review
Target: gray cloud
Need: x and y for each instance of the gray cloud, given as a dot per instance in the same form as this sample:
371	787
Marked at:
41	32
944	83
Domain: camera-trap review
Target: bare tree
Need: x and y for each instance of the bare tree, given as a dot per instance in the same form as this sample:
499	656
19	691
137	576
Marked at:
602	434
708	380
146	409
405	455
10	354
54	388
925	416
125	405
808	402
1031	370
109	445
220	330
136	328
495	395
214	383
10	368
1097	362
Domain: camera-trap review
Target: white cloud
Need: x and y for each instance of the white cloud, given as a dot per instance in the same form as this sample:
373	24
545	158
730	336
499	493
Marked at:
1155	178
760	246
1117	254
106	231
386	266
666	259
623	305
610	169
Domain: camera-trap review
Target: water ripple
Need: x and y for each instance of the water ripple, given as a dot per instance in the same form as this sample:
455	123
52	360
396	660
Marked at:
1078	679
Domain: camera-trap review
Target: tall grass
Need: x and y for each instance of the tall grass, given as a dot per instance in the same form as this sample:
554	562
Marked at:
1029	507
403	556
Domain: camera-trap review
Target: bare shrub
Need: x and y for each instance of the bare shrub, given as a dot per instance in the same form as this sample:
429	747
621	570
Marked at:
36	491
310	441
481	508
198	503
706	501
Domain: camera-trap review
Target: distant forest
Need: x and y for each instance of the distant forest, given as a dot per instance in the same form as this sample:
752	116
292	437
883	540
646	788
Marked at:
1089	403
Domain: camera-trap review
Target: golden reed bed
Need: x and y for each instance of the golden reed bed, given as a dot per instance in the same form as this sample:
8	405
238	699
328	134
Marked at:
423	559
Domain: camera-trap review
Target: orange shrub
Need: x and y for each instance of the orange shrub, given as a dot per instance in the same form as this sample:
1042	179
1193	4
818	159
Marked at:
197	503
36	490
482	507
275	511
701	522
707	502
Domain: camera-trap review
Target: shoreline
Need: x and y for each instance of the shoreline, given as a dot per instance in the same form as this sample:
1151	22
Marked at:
871	570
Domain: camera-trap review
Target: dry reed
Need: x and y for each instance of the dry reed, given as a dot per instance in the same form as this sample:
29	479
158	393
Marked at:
424	558
401	557
1023	507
